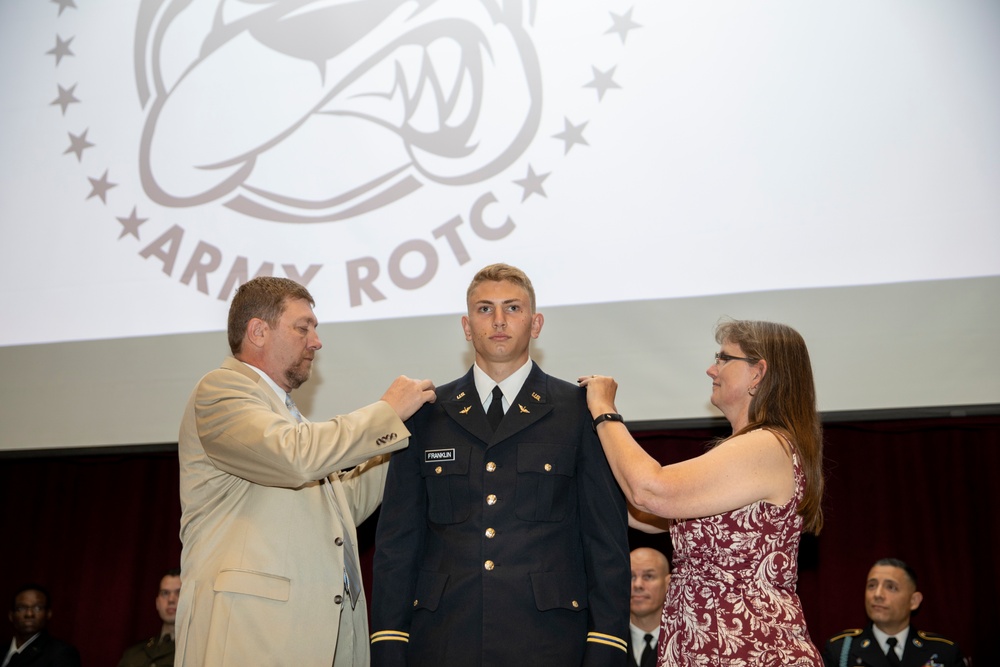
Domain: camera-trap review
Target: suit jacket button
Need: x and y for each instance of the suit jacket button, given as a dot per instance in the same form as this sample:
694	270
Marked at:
491	499
490	533
575	604
489	565
337	599
548	467
339	541
491	467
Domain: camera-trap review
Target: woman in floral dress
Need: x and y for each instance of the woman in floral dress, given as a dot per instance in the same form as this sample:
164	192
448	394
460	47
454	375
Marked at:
736	512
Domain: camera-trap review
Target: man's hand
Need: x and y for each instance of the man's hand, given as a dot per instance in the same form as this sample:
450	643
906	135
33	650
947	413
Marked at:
406	395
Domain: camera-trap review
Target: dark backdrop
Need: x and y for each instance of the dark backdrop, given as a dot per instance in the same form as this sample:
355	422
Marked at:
100	529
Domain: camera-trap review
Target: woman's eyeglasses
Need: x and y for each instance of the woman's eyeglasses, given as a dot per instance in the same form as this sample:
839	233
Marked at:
722	357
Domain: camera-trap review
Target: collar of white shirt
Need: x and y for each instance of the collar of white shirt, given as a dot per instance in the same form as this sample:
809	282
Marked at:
278	391
510	386
900	636
14	648
639	640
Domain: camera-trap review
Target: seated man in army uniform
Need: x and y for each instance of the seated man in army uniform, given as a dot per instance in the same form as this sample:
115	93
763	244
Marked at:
159	650
891	596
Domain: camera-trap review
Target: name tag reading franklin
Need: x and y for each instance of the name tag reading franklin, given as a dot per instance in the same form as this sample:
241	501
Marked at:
438	455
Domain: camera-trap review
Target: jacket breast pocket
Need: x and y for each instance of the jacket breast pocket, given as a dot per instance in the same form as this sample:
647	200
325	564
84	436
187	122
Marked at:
446	478
545	474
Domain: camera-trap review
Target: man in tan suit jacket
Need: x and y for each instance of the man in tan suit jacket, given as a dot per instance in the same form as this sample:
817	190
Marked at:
266	513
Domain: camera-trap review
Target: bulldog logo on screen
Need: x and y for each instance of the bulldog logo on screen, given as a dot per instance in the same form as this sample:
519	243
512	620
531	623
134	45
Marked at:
369	100
364	148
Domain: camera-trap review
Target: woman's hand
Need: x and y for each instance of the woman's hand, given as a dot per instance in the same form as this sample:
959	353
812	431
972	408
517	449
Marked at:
601	391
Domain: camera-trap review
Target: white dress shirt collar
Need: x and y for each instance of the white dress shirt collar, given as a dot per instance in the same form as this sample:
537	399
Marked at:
900	636
15	649
278	391
639	640
510	387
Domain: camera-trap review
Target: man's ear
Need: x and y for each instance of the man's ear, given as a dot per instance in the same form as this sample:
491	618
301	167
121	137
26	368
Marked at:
536	324
256	332
915	600
466	327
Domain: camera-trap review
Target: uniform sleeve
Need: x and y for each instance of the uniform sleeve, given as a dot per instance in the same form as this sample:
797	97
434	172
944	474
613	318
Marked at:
604	524
399	541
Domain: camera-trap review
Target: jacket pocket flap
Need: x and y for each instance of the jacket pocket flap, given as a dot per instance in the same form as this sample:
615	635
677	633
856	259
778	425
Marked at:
248	582
546	459
558	590
445	462
430	586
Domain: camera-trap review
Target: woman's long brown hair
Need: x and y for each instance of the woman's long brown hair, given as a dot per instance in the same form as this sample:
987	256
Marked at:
785	401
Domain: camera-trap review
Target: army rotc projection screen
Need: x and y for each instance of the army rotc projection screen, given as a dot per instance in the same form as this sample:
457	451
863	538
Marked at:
653	165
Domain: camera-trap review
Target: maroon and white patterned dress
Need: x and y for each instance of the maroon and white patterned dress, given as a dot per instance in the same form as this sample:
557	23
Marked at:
731	599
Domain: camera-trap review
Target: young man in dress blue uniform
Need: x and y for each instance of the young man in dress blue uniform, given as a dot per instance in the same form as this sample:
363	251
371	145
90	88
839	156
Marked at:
506	545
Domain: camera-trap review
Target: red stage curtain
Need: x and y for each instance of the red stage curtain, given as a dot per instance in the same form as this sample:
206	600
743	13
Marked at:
99	530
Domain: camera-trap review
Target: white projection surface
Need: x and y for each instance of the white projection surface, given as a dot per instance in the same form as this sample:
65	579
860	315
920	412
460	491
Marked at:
653	165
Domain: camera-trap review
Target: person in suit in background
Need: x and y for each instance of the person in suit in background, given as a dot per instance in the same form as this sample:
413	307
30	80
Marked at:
891	598
503	538
268	521
159	650
31	644
650	578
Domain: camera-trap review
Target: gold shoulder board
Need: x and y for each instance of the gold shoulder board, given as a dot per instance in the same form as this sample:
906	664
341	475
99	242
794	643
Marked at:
931	637
853	632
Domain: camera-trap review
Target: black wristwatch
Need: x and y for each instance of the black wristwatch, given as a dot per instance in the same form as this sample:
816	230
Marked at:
608	417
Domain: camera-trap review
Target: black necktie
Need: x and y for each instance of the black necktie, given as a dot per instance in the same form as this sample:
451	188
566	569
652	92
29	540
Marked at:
495	413
648	657
891	653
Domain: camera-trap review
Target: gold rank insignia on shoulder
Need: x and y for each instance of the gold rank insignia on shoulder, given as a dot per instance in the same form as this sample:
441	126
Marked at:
524	410
853	632
465	410
536	396
460	396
